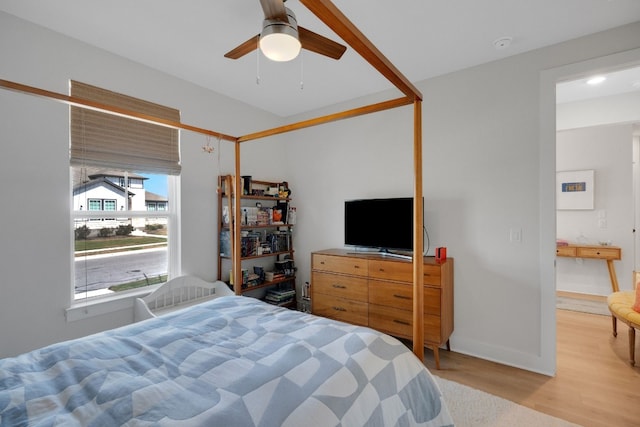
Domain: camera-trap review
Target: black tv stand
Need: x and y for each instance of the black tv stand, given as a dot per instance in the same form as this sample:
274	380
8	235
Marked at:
386	253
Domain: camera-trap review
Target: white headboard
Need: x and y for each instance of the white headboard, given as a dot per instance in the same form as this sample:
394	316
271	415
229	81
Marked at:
177	293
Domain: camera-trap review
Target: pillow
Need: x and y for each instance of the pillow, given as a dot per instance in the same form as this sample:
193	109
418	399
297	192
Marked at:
636	305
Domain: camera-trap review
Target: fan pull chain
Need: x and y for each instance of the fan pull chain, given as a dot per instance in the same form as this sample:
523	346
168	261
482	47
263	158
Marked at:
258	61
301	70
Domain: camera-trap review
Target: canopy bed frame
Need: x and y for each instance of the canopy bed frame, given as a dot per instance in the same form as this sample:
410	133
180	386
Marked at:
331	16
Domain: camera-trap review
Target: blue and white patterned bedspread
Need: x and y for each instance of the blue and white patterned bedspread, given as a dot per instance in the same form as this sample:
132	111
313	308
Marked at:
232	361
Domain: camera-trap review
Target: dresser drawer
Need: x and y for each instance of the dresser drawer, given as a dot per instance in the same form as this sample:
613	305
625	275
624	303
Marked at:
355	288
398	323
399	271
433	329
400	295
432	275
391	320
350	311
339	264
403	271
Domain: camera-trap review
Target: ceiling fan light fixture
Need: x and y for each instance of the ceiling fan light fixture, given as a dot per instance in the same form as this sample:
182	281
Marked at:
279	40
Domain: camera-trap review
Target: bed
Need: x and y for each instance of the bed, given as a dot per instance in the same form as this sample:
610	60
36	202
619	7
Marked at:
228	361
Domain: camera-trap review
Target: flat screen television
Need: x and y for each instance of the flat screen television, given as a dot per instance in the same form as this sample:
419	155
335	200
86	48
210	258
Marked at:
385	224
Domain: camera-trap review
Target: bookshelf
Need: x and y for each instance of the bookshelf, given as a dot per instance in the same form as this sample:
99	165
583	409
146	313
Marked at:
266	239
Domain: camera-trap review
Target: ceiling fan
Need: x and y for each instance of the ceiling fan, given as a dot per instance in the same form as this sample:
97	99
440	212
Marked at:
281	38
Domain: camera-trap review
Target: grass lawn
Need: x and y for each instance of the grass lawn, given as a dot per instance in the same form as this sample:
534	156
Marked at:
116	242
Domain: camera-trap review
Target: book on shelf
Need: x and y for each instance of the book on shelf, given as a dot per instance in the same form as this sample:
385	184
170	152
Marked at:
281	303
280	296
281	293
285	267
270	276
225	243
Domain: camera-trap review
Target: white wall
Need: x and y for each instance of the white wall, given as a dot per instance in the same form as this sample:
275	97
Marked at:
608	151
34	168
624	108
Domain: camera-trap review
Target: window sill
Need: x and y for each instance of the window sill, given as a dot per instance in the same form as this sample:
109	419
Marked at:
87	308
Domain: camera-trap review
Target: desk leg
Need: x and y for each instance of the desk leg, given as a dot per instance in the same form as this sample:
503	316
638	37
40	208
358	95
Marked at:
612	275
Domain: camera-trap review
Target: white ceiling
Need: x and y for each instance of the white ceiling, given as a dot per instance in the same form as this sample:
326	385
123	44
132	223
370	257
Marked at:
422	39
616	83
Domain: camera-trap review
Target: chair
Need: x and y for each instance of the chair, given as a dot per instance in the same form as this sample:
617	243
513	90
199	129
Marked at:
621	305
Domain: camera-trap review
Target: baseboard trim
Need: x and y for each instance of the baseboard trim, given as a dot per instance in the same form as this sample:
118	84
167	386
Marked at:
578	295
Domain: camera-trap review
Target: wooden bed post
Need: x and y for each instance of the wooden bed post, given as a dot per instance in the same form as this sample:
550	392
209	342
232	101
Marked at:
237	223
418	235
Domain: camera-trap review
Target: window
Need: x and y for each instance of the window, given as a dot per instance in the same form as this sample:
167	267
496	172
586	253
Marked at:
117	254
99	205
95	205
120	164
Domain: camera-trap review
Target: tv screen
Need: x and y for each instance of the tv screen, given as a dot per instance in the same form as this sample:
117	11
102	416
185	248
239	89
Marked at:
379	223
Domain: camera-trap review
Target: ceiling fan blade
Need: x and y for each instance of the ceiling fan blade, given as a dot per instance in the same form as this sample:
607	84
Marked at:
320	44
241	50
274	9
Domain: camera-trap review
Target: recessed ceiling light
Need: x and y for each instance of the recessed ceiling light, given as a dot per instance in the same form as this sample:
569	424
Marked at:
596	80
502	42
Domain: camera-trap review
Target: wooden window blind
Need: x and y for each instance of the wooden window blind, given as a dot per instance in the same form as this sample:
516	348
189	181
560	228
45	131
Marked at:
110	141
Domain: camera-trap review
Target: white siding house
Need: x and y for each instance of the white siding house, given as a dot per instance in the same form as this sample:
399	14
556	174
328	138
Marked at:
96	190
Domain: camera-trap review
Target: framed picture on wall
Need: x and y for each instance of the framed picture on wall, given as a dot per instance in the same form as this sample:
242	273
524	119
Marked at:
574	190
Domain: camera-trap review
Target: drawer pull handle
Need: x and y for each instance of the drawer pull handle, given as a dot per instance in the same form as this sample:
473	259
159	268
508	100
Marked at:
322	262
402	322
356	266
401	296
339	309
339	286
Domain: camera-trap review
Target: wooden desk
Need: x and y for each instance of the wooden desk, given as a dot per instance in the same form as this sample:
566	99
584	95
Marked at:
607	253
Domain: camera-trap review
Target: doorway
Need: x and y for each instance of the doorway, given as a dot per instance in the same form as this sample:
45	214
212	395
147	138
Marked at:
595	120
547	176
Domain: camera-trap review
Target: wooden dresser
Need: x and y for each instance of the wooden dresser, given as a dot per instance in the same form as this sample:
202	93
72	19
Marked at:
371	290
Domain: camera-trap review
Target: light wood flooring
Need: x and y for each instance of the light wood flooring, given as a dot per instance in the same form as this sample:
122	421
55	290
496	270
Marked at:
594	386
